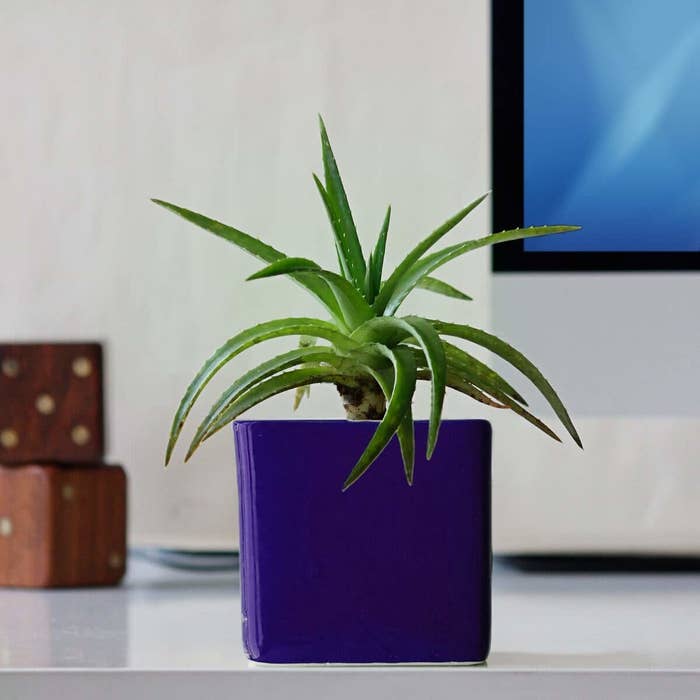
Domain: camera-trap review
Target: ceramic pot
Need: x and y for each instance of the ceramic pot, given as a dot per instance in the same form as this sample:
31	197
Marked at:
382	573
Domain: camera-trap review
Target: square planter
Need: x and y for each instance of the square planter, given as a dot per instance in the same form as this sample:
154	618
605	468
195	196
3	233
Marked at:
383	573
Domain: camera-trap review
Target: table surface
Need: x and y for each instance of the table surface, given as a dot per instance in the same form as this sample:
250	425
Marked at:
165	629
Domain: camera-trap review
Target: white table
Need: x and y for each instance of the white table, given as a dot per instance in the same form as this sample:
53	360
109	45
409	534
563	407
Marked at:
171	635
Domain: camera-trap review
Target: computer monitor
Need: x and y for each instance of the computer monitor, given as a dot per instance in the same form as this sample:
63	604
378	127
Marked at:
596	122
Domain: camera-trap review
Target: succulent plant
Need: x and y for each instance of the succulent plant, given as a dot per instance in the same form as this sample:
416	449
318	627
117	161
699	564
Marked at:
372	356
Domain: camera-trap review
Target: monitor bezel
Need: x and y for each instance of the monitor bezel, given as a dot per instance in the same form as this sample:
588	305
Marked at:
507	92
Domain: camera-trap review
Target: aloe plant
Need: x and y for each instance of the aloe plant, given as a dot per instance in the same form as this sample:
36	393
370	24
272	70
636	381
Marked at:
372	356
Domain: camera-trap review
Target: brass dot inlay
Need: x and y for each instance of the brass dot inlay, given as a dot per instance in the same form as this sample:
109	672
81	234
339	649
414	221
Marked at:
68	492
45	404
80	435
82	367
5	527
9	438
10	367
115	560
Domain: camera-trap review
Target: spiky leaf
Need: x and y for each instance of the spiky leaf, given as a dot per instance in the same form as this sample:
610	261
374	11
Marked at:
390	331
464	387
457	383
376	261
404	432
410	260
425	266
518	360
407	443
466	364
341	216
299	356
352	304
439	287
273	386
255	247
399	402
236	345
303	392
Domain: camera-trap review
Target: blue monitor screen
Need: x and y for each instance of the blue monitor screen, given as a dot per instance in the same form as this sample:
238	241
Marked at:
611	123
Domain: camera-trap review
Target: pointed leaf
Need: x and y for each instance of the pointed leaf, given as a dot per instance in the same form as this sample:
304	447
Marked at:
439	287
456	382
285	266
255	247
473	392
426	265
405	430
376	260
399	402
381	329
430	344
273	386
391	331
410	260
240	342
354	308
407	443
368	278
518	360
349	242
464	387
303	392
477	372
249	243
299	356
336	227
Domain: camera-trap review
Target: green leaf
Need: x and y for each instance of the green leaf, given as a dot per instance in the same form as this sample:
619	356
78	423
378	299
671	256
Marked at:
303	392
480	386
410	278
518	360
376	261
273	386
457	383
334	218
391	331
381	329
477	372
285	266
266	369
342	221
242	341
354	308
407	442
405	429
439	287
454	381
255	247
249	243
400	400
410	260
430	344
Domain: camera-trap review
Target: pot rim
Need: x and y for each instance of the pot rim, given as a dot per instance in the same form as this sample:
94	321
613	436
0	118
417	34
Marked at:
337	421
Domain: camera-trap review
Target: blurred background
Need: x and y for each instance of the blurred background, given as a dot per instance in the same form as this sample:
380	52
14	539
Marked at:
212	105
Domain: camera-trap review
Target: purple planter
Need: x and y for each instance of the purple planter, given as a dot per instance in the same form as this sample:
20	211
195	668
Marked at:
383	573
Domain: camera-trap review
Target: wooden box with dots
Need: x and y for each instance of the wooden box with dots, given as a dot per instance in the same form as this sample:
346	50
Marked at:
51	403
62	526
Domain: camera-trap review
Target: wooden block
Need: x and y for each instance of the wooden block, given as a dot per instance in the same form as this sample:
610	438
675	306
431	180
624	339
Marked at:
62	526
51	403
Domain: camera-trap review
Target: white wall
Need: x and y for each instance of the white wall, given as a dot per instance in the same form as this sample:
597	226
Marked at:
212	104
